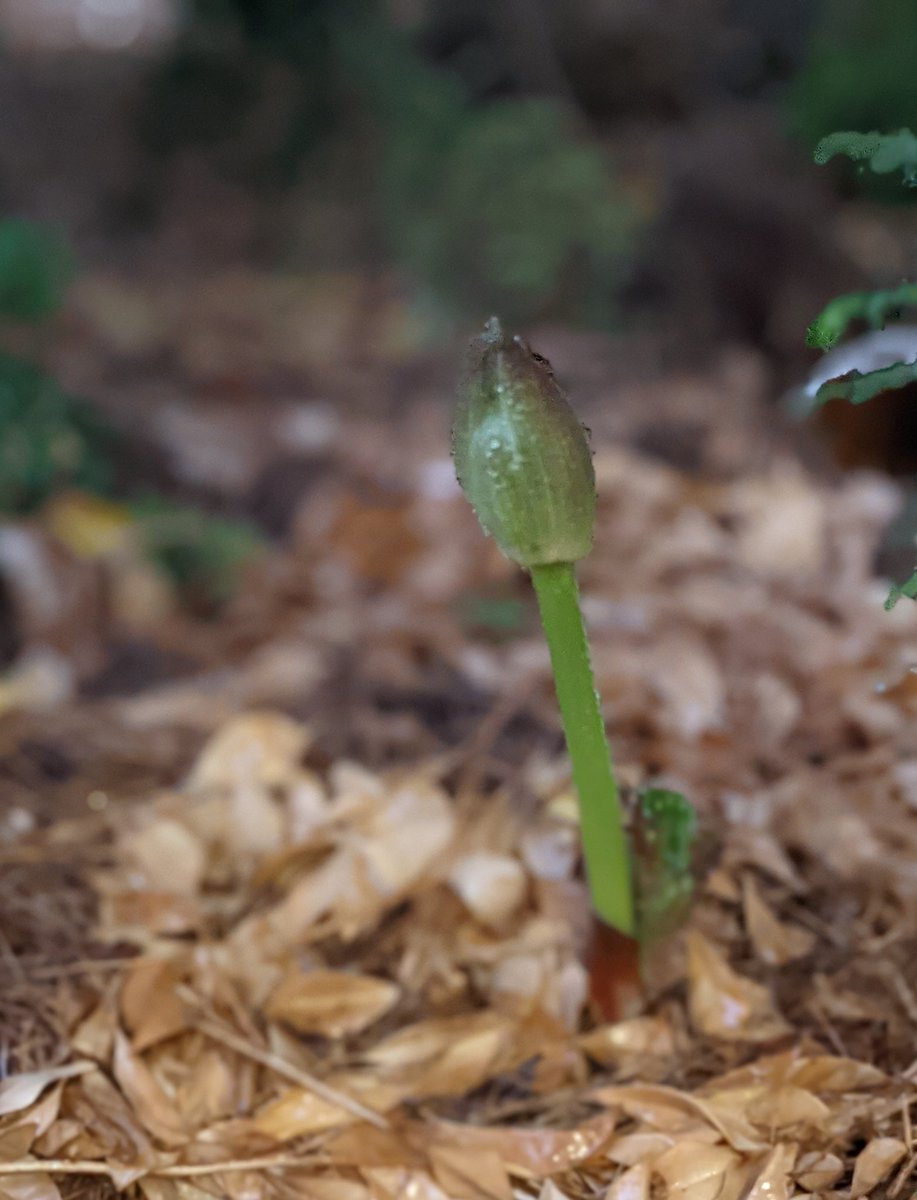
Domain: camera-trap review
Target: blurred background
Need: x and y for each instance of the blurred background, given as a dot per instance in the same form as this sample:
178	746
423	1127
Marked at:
243	243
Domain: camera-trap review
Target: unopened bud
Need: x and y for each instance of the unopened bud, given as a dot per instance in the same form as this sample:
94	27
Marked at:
521	455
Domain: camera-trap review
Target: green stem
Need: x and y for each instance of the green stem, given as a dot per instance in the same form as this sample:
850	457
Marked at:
604	844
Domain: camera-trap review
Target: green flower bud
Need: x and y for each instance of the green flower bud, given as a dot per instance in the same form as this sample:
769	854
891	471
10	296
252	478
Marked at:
521	455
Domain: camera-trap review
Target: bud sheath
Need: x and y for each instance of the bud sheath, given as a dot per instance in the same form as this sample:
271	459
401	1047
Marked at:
521	455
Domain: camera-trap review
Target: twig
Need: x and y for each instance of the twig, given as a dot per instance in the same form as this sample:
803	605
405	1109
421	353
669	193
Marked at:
281	1067
66	1166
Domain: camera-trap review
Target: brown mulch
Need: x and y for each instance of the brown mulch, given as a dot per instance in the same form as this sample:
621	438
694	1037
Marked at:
301	913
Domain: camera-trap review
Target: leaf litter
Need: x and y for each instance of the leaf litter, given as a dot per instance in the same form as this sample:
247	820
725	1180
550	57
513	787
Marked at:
326	931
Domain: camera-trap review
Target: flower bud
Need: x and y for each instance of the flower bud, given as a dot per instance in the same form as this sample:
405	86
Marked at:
521	455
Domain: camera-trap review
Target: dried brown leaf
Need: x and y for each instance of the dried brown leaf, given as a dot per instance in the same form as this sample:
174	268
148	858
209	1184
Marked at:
150	1007
20	1091
786	1107
632	1184
491	886
482	1177
775	942
29	1187
154	1109
817	1171
532	1153
725	1004
395	1183
694	1170
331	1003
874	1163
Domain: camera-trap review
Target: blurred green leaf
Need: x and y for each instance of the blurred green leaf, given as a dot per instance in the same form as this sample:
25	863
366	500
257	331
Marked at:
48	440
883	152
203	555
35	269
858	387
664	840
873	307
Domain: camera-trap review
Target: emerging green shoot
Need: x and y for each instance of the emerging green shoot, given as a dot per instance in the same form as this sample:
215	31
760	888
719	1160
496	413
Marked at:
523	460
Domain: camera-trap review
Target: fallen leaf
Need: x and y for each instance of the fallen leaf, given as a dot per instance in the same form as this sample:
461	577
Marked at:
723	1003
20	1091
331	1003
29	1187
818	1172
529	1152
775	942
694	1170
482	1178
153	1107
632	1184
874	1163
785	1107
491	886
150	1007
773	1180
395	1183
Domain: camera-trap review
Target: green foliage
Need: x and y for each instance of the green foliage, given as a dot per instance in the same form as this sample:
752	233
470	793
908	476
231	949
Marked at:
872	307
883	152
858	387
860	69
48	440
35	268
498	206
203	555
898	590
664	839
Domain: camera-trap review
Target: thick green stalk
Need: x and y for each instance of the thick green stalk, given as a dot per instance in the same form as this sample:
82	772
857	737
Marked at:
604	844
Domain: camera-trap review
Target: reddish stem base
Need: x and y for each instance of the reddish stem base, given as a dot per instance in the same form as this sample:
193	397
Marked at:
613	961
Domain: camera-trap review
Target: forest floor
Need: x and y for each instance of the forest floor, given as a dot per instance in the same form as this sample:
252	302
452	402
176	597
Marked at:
291	900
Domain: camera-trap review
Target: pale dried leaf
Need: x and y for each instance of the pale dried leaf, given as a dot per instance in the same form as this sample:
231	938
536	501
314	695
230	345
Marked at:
680	1113
331	1003
491	886
150	1007
396	1183
694	1170
725	1004
482	1177
831	1073
782	1108
817	1171
20	1091
775	942
773	1180
410	834
649	1037
168	857
634	1148
255	748
874	1163
531	1152
29	1187
154	1109
632	1184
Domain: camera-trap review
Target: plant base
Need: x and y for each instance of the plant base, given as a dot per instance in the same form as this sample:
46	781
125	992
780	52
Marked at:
613	962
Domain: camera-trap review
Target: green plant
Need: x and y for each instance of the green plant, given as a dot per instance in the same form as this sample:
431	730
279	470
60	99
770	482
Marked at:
524	462
201	554
859	72
883	154
48	439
